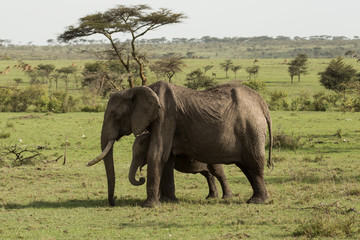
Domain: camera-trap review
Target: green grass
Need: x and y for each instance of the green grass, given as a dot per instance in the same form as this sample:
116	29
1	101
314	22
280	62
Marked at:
314	190
272	71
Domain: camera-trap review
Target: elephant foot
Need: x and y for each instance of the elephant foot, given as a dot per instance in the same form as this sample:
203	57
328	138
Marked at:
212	196
151	203
169	199
257	199
227	195
112	202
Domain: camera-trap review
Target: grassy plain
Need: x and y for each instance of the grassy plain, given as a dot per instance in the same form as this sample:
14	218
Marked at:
315	190
272	71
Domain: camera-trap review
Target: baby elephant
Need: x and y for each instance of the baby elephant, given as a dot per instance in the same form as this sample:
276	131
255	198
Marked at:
182	163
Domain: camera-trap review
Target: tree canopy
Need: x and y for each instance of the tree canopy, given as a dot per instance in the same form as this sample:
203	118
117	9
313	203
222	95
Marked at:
135	20
226	66
168	66
298	66
338	75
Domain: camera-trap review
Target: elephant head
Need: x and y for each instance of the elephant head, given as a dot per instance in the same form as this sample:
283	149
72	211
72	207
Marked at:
129	111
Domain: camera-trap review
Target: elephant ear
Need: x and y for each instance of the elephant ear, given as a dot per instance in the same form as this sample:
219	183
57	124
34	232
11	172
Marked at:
145	108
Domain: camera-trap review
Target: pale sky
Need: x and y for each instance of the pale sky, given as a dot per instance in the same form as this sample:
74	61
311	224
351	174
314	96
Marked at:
36	21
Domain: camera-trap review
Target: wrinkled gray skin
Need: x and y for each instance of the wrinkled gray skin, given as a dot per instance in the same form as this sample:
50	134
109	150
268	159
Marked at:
182	163
225	124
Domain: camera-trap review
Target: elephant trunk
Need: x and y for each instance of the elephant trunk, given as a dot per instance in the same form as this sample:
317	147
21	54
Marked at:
107	143
135	164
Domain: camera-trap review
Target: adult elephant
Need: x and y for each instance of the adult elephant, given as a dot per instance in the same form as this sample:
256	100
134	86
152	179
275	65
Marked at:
226	124
182	163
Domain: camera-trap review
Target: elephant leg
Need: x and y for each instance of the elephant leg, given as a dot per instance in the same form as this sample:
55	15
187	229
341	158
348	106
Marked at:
167	185
153	184
158	155
218	172
213	193
255	175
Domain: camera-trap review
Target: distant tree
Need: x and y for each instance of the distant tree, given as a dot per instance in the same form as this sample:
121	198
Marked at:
64	74
136	20
298	66
338	75
103	76
252	71
44	71
38	76
18	80
226	66
207	68
197	79
235	69
167	66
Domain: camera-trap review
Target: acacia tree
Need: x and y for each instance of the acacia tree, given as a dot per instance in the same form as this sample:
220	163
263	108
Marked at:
235	69
252	70
298	66
136	20
226	66
167	66
64	74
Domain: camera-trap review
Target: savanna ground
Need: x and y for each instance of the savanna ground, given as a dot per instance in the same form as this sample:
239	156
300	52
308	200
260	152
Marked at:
272	71
314	186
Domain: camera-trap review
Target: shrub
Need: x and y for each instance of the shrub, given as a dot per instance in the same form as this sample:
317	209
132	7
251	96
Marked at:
197	79
96	108
255	85
61	102
325	225
302	103
323	102
278	100
19	100
282	140
35	99
351	104
4	135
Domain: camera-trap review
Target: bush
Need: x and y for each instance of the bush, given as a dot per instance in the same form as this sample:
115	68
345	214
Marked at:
278	100
325	225
351	104
302	103
61	102
282	140
4	135
255	85
96	108
35	99
197	79
323	102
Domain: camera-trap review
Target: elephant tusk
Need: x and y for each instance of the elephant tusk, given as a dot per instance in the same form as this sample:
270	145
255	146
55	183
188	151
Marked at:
102	155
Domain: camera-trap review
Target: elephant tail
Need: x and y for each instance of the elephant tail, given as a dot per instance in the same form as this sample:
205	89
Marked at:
270	164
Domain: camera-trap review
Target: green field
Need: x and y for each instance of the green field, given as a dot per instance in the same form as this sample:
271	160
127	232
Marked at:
314	189
272	71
